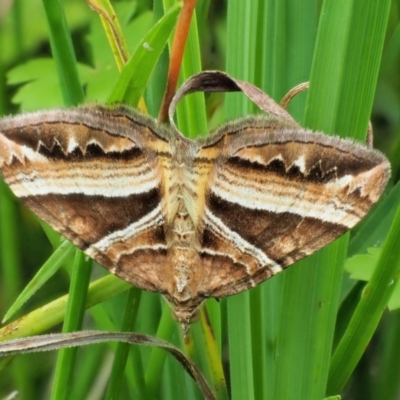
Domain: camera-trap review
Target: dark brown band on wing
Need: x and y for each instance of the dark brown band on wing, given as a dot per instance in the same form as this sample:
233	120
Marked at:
284	237
91	217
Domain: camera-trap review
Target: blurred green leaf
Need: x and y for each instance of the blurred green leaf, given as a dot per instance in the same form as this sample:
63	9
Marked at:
362	266
40	88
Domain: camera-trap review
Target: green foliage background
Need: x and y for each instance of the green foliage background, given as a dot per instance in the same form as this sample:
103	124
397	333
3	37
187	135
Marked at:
306	334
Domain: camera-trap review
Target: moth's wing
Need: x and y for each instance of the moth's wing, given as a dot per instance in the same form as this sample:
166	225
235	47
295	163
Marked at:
93	174
277	194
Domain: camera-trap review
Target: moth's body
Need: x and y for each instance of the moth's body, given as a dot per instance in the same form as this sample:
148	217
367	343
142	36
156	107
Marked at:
181	210
188	219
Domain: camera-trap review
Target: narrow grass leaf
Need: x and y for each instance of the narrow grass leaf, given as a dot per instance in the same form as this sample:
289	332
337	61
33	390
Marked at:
63	52
241	30
51	314
166	328
65	365
211	357
288	33
337	79
122	351
345	70
134	76
366	317
386	385
10	259
48	269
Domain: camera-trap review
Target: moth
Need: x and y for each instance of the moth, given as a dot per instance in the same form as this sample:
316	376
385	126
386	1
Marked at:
189	219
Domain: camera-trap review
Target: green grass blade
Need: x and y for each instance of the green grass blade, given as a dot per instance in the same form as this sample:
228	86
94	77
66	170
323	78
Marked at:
369	311
73	321
133	78
309	303
241	30
386	385
49	268
257	33
157	358
122	350
342	87
10	259
359	43
63	52
339	73
286	49
201	347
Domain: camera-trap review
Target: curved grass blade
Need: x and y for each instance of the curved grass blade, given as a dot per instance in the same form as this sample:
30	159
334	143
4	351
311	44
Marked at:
49	268
133	79
62	340
53	313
